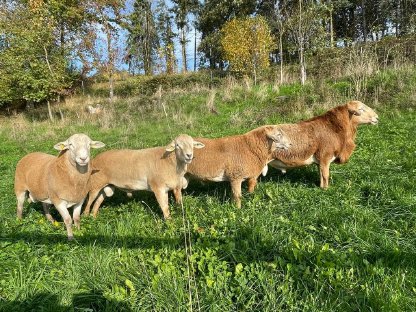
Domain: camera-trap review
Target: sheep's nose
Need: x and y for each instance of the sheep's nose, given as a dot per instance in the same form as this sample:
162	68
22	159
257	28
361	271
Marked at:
189	156
83	158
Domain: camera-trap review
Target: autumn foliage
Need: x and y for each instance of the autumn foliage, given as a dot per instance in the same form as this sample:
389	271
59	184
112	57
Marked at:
246	43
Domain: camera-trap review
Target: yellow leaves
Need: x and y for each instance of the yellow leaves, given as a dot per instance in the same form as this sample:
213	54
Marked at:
247	43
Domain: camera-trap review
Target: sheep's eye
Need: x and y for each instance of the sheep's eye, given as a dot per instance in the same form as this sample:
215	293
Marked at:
71	145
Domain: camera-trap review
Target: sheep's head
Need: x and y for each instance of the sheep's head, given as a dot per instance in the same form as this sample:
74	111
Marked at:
184	146
361	113
78	146
278	137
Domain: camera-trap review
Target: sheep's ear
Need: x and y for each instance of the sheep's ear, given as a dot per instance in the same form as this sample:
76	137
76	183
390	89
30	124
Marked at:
198	144
171	147
353	110
273	133
61	146
97	144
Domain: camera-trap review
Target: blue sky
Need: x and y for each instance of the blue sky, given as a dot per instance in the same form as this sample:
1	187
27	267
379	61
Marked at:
190	38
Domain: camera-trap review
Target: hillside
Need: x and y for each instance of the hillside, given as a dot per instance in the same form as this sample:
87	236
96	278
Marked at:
292	246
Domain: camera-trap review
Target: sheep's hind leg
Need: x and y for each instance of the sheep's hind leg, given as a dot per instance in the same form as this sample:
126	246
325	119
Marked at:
177	192
21	196
252	182
97	204
107	191
46	210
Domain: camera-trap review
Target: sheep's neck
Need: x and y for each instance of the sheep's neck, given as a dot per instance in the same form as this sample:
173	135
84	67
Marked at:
260	148
75	173
179	166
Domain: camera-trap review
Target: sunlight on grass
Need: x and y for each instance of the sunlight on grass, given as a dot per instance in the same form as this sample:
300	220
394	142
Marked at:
291	247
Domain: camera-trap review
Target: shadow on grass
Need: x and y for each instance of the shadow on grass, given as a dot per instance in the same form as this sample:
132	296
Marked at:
307	176
93	301
246	245
222	191
119	198
90	239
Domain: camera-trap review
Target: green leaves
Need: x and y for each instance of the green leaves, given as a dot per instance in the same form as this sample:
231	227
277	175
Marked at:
33	68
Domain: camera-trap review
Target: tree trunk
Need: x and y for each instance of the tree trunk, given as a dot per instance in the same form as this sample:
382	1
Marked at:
301	39
111	85
183	43
195	50
281	56
49	110
110	65
364	20
331	28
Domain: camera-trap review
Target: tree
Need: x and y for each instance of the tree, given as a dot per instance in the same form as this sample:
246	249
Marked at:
142	41
306	32
276	15
181	9
211	17
166	34
247	44
33	68
105	15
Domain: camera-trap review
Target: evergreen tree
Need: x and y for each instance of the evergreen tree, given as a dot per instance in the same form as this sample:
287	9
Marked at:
143	41
166	35
182	9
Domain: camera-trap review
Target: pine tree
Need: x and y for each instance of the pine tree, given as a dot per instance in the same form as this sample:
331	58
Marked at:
166	35
143	41
182	9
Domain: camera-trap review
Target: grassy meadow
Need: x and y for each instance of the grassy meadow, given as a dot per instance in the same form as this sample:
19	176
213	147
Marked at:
291	247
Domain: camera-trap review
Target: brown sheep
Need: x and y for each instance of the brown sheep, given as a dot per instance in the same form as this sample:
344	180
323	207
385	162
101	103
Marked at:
237	158
324	139
61	181
158	169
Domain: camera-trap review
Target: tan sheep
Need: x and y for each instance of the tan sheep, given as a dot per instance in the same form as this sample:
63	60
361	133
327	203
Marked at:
60	181
324	139
154	169
237	158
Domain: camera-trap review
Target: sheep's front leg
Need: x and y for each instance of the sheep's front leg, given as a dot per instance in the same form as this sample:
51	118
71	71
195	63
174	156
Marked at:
252	182
63	211
77	215
97	204
163	200
236	190
324	172
46	210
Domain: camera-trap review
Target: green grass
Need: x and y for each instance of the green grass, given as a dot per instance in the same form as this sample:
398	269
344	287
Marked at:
292	247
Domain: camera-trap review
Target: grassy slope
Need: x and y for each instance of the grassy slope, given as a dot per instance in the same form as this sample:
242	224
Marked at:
291	247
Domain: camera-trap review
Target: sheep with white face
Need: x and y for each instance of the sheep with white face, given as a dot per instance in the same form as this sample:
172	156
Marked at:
60	181
158	169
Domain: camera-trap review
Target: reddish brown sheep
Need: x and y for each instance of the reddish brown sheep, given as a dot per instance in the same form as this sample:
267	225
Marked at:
237	158
324	139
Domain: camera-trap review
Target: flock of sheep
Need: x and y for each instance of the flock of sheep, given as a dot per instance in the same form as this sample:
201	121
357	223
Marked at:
66	180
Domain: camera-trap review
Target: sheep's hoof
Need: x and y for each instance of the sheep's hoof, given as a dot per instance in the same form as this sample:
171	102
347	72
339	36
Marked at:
70	238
